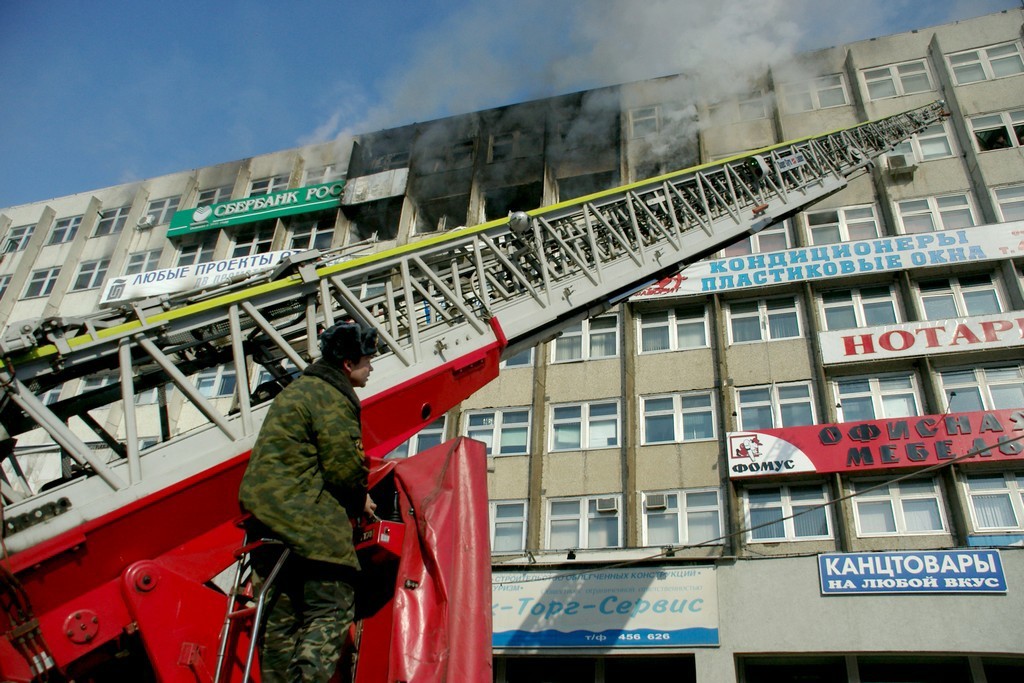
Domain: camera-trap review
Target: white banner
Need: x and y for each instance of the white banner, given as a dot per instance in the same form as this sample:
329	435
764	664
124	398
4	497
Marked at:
636	607
184	278
884	254
909	340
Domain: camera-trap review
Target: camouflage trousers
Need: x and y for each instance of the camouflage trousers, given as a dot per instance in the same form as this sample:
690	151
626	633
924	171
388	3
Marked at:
308	612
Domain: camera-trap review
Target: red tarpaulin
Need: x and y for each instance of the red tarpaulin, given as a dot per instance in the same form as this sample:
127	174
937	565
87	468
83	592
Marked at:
437	626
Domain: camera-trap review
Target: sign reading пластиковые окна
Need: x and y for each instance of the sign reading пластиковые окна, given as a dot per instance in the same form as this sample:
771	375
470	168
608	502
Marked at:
611	608
261	207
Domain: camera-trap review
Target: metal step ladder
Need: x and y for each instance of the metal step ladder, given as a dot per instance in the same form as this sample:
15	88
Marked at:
246	607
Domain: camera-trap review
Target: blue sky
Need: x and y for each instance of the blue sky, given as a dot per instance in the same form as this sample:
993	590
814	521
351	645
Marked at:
97	93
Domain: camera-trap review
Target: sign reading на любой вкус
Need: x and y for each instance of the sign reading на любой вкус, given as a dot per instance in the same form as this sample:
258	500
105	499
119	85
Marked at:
262	207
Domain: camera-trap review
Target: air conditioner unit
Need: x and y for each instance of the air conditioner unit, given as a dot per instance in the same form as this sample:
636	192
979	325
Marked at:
901	164
145	222
607	505
656	501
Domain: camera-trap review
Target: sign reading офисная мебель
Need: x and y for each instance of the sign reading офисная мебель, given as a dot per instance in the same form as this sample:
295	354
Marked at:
632	607
883	254
902	442
258	208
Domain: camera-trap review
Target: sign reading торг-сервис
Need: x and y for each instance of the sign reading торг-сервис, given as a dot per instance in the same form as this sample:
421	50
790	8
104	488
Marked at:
634	607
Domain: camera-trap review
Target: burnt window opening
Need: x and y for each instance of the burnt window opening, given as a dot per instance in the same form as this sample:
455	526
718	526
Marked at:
380	218
444	213
501	201
503	146
390	162
581	185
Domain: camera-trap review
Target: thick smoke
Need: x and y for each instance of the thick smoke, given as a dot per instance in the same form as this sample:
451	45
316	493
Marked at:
493	54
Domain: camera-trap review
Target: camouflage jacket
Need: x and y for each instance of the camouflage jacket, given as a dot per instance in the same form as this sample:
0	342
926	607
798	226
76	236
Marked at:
307	473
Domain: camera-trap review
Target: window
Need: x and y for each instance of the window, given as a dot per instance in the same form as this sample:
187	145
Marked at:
875	398
911	506
216	382
997	501
253	239
318	175
846	309
428	437
195	250
774	238
91	274
312	233
584	426
987	63
112	221
775	405
992	388
897	79
274	183
753	106
215	195
50	397
160	211
677	418
65	229
17	238
1010	201
508	526
588	522
94	382
842	225
142	262
935	213
522	359
689	517
788	513
41	282
390	161
764	320
588	340
503	146
959	296
749	107
931	143
676	329
5	282
643	122
820	93
505	431
998	131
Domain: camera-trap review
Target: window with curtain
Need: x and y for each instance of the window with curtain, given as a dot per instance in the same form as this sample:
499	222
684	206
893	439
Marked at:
997	501
682	517
912	506
787	513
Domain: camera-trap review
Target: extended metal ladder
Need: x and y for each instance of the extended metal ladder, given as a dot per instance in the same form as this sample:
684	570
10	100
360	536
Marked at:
506	284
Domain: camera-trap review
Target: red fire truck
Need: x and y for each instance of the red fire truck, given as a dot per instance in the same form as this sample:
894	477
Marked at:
118	571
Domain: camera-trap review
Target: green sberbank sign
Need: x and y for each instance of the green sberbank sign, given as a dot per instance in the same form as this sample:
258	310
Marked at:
263	207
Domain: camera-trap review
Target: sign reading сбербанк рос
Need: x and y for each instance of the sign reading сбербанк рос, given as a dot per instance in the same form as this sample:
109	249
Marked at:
258	208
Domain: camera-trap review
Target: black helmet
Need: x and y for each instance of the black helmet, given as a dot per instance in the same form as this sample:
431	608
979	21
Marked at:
348	341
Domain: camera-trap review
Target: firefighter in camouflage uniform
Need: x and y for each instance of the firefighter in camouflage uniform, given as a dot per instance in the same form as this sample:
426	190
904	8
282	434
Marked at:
305	481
